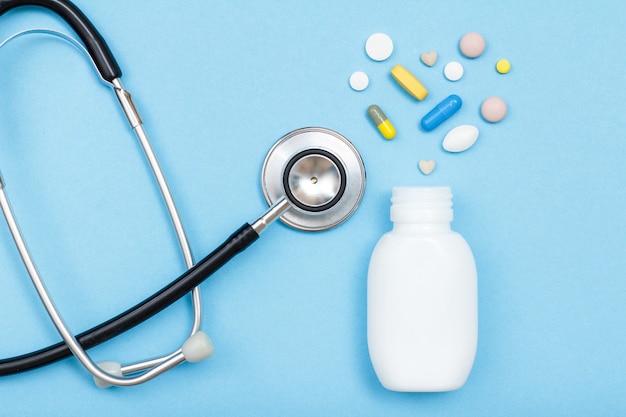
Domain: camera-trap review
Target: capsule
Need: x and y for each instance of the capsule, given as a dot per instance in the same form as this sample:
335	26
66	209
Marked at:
382	123
441	112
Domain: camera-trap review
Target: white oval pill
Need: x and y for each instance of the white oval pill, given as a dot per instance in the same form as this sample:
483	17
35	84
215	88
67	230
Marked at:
359	81
453	71
379	46
461	138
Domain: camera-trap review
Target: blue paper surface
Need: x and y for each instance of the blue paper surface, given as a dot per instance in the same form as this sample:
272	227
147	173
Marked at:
540	198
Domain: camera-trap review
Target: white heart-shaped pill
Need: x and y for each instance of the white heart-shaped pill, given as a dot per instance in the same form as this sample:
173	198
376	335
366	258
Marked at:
426	166
461	138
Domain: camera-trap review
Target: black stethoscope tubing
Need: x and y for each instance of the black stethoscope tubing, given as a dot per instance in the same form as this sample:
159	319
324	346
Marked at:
94	42
109	70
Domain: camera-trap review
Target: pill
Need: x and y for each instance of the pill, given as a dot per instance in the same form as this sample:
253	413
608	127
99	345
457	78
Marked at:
379	46
426	166
359	81
409	82
453	71
493	109
382	123
429	58
503	66
441	112
472	45
460	139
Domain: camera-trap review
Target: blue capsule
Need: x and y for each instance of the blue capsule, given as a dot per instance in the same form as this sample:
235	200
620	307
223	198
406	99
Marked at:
441	112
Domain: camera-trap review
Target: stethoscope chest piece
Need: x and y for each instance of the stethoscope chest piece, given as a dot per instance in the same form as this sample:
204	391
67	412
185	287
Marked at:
319	172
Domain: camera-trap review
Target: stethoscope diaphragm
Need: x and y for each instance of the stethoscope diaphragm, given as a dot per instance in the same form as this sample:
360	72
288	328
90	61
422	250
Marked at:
319	172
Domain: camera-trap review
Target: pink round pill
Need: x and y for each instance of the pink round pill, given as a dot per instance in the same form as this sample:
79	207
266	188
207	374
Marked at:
472	45
493	109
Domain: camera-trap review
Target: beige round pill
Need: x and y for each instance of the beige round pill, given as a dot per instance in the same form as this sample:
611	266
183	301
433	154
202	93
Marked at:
472	45
493	109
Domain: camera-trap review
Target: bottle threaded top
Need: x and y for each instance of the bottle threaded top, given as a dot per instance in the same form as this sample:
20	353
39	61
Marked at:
421	205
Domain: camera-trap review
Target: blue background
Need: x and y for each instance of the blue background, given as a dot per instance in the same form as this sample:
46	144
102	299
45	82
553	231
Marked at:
540	198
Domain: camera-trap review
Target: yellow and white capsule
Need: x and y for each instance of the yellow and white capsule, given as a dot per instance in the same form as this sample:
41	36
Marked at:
382	123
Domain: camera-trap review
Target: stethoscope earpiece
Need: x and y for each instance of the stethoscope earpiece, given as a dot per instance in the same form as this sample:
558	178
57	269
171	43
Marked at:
196	348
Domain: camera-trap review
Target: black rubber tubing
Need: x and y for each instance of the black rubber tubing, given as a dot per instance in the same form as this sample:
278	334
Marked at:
236	243
95	44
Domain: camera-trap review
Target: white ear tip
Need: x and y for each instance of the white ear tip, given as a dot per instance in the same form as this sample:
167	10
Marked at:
197	347
110	367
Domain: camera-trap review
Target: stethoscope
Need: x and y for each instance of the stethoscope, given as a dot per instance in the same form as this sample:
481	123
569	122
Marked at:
313	179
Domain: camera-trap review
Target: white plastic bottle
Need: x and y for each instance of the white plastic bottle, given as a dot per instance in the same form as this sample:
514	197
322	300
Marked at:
422	302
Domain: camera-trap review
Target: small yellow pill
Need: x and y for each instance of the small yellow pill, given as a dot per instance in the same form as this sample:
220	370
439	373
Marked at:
409	82
503	66
383	124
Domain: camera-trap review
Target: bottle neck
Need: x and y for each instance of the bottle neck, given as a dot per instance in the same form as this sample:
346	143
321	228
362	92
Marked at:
421	228
421	209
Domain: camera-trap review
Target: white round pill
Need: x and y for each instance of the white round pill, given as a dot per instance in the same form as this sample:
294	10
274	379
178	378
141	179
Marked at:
359	81
379	46
453	71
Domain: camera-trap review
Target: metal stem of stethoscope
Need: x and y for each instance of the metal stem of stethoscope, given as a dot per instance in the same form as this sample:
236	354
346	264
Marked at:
270	216
158	365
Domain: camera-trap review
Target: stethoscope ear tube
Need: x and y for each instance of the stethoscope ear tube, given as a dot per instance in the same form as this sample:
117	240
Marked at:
95	44
236	243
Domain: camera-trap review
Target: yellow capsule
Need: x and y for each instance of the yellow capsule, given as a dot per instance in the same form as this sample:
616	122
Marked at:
382	123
